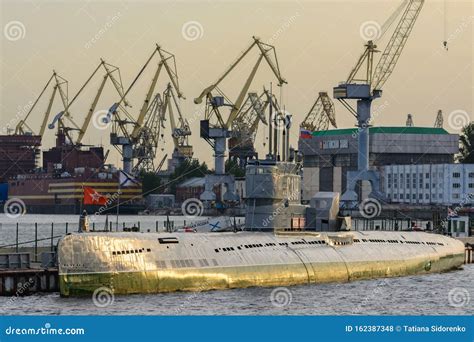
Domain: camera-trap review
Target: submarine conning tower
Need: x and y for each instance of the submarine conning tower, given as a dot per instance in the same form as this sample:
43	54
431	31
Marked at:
273	201
273	196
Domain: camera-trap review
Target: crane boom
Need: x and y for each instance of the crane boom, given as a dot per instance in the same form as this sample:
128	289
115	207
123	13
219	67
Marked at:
88	118
320	115
208	90
264	49
19	126
146	103
397	42
48	111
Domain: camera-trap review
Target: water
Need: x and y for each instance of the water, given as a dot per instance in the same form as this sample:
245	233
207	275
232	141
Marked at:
26	226
435	294
449	293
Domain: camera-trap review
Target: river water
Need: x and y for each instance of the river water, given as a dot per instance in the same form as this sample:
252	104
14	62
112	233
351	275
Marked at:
449	293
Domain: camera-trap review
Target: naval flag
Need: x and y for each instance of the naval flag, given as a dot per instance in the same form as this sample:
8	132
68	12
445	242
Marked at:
127	180
91	196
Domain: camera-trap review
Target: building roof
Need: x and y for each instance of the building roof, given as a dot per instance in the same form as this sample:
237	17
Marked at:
192	182
388	130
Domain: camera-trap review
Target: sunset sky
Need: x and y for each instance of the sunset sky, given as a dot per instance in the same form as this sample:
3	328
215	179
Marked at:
317	43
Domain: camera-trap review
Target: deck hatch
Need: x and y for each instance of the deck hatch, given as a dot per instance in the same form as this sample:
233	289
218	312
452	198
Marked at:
168	240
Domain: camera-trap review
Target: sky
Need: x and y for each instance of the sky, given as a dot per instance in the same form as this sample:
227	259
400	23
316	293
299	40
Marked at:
317	44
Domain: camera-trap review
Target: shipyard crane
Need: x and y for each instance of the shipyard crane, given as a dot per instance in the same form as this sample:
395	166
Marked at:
180	129
216	133
147	141
121	134
246	123
244	129
439	119
320	115
22	127
369	88
110	72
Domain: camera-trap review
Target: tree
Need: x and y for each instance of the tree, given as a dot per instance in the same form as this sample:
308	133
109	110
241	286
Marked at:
232	167
151	183
189	168
466	151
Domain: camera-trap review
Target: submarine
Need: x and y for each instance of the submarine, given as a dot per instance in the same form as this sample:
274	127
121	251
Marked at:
283	243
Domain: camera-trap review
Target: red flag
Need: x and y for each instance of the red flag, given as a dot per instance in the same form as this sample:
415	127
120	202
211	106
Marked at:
91	196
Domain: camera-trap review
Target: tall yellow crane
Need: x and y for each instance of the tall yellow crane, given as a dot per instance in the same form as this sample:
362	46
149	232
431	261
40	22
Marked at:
110	71
246	123
22	127
126	137
369	87
144	150
321	114
217	132
180	130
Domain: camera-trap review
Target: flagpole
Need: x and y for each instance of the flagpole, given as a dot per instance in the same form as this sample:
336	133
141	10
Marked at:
118	206
81	200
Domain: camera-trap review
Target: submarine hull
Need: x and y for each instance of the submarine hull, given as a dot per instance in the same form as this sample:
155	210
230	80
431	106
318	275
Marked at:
128	263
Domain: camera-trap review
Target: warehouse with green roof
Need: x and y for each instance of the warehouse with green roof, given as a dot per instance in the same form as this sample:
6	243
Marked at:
328	155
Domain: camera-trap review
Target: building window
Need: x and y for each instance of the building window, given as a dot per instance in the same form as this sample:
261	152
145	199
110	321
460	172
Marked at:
456	174
427	196
414	196
434	185
455	196
395	196
471	174
456	185
427	175
471	185
420	196
427	185
440	196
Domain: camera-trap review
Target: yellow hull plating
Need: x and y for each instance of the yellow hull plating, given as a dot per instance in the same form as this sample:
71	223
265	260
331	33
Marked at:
144	265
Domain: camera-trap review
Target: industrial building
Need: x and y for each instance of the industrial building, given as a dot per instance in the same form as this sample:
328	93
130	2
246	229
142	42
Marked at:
18	154
329	155
444	184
